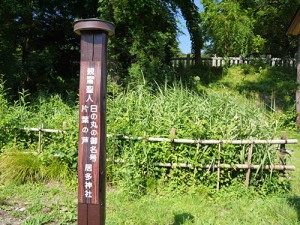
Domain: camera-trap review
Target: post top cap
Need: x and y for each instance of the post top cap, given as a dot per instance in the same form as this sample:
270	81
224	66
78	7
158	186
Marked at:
94	24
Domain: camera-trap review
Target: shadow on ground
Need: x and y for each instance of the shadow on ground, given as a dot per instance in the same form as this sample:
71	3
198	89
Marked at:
295	202
182	218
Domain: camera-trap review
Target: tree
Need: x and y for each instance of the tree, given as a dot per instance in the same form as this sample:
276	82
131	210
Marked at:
272	19
229	29
145	36
38	46
146	30
249	27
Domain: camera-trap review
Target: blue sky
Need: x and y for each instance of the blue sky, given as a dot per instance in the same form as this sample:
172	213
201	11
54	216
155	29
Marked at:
184	39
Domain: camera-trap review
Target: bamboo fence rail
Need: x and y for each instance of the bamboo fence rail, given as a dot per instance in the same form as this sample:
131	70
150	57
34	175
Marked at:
172	140
44	130
207	142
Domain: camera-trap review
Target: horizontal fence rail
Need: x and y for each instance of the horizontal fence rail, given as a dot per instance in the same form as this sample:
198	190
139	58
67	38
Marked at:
44	130
207	142
228	166
214	165
221	61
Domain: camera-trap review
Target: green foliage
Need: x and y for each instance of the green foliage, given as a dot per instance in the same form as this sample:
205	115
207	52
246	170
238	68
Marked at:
230	29
50	113
145	37
246	28
143	111
211	115
273	87
20	166
38	46
268	13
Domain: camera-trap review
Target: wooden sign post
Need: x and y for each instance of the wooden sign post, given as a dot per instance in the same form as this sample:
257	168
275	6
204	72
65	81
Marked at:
92	121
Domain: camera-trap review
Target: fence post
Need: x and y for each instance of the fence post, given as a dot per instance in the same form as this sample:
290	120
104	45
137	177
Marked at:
219	166
214	61
250	149
92	120
282	152
188	58
40	139
172	137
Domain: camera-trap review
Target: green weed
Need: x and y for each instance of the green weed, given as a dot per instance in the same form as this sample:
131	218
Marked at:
19	166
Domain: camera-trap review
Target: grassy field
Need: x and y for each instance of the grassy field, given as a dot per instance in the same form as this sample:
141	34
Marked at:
56	203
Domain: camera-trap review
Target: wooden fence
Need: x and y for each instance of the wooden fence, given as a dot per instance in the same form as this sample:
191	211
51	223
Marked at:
221	61
172	140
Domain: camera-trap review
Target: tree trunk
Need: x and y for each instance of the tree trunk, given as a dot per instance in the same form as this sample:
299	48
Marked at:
190	13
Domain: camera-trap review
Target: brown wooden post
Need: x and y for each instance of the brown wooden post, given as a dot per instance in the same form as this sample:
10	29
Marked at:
282	152
40	139
298	82
172	137
219	166
92	120
249	161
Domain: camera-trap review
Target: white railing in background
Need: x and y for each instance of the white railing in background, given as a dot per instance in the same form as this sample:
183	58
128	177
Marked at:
216	61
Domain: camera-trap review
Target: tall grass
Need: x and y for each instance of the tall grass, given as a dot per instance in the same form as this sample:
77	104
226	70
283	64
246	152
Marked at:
141	111
19	167
209	114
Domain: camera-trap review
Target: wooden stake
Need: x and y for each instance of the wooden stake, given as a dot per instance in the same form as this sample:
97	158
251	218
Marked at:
219	167
249	165
172	137
92	120
40	139
282	152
